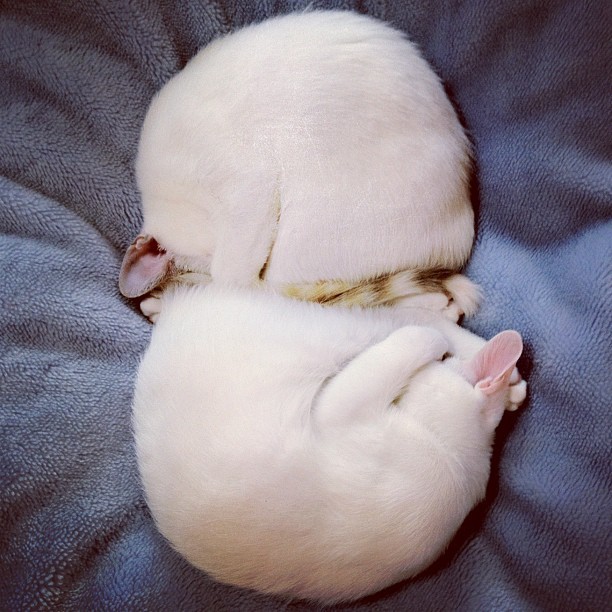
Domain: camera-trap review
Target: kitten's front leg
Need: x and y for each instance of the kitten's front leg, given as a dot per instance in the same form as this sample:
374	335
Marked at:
378	375
247	235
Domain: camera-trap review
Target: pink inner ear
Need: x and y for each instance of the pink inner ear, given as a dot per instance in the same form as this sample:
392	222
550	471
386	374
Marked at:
491	369
145	265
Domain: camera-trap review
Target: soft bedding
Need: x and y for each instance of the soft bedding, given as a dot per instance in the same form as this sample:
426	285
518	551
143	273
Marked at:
531	81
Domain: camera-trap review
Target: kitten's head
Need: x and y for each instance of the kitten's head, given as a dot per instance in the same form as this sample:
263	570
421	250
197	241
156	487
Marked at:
178	232
468	398
148	265
493	375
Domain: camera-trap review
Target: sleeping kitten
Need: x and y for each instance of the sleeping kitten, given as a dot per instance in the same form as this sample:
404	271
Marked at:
315	452
316	153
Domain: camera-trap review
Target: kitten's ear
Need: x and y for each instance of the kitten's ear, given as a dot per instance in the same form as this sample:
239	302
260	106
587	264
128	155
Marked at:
492	367
145	266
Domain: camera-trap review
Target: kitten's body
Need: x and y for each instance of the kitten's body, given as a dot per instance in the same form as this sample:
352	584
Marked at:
310	451
317	152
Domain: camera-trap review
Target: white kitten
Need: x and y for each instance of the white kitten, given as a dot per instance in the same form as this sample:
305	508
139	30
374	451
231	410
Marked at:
316	152
315	452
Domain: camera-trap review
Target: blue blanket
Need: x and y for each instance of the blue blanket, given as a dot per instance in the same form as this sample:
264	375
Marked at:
531	81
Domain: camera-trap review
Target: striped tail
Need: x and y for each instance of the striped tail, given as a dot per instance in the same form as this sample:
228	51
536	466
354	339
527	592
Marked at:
389	289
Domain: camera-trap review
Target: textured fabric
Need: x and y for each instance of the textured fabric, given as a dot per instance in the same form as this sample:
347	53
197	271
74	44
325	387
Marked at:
531	81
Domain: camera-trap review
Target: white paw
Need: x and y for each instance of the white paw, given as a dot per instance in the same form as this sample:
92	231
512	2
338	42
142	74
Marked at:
517	394
452	311
439	302
151	306
430	341
439	346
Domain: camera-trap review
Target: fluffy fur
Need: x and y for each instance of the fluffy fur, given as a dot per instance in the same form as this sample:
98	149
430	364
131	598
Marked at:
315	452
314	152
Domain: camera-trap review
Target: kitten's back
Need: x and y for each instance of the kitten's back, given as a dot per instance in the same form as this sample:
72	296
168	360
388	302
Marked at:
334	118
250	482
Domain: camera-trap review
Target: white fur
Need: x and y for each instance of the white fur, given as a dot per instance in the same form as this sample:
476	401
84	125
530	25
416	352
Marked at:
310	451
323	137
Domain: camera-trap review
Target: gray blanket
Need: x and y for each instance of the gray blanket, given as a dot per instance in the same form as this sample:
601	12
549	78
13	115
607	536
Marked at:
532	83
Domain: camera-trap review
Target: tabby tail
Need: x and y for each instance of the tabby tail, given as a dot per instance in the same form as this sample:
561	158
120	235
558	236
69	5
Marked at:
391	289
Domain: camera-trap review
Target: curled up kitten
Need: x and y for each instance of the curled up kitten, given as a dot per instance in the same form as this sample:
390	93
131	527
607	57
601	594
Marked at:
314	153
315	452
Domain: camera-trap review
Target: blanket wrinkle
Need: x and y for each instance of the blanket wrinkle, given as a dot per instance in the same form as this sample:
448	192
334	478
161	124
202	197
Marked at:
530	81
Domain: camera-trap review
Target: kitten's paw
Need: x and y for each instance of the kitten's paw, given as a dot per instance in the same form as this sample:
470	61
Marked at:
516	395
151	306
429	341
439	346
435	302
465	296
452	311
